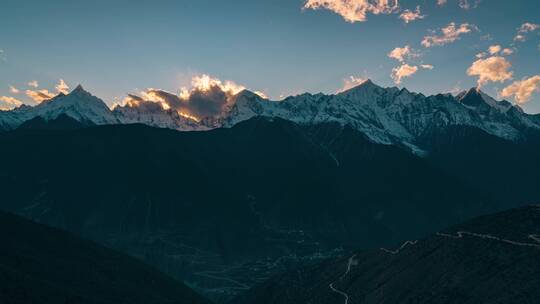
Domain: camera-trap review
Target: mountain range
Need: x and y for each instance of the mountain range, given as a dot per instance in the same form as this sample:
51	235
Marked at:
268	186
385	115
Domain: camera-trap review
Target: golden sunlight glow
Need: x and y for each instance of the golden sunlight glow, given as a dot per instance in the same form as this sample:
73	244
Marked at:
205	83
188	116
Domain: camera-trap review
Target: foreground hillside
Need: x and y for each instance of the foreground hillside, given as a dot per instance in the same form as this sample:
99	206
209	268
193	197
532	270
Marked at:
491	259
39	264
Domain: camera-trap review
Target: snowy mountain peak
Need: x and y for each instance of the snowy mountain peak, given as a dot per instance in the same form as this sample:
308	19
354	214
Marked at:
247	94
80	91
477	99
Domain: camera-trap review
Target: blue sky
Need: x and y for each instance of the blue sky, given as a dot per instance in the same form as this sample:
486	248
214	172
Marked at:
277	47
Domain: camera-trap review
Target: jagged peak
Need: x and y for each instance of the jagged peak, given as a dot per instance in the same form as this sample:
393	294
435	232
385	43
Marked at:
79	90
362	88
475	97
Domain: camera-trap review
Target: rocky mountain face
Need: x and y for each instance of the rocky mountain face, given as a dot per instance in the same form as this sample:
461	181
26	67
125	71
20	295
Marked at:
491	259
385	115
39	264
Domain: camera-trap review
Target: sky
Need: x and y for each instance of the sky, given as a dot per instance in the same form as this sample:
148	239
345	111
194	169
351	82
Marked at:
279	47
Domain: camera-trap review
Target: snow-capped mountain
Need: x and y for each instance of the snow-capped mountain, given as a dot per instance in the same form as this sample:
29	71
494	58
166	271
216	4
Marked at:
153	114
391	115
79	104
385	115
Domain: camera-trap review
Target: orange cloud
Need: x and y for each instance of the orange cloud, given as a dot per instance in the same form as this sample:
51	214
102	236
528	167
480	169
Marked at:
39	95
14	90
8	103
355	10
494	49
448	34
403	71
522	90
62	87
492	69
400	54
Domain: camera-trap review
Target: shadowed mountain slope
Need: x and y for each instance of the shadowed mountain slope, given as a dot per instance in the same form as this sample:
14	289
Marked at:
39	264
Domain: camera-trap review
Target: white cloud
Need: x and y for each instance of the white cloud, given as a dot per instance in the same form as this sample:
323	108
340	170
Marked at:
492	69
525	28
39	95
427	66
62	87
14	90
351	82
507	51
403	53
355	10
410	16
528	27
466	4
448	34
441	2
522	90
33	84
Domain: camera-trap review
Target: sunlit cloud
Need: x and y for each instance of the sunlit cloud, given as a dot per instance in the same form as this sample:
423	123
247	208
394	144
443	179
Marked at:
39	95
522	90
481	55
492	69
405	70
62	87
507	51
494	49
468	4
8	103
441	2
207	97
14	90
403	53
410	16
33	84
355	10
351	82
525	28
448	34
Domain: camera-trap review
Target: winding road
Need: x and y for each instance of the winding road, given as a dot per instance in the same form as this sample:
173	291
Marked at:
350	263
461	234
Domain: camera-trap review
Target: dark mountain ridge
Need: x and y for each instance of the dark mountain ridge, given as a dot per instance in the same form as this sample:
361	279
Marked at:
267	192
39	264
491	259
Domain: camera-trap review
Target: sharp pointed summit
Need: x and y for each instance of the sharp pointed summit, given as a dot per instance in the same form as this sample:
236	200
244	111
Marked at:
79	90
